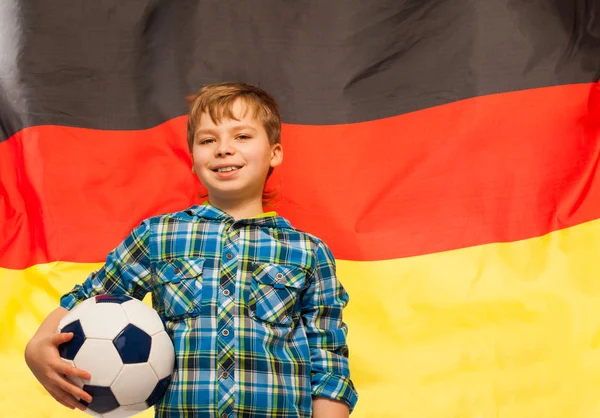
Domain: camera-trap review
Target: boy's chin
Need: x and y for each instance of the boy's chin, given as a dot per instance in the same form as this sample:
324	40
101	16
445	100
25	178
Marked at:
228	194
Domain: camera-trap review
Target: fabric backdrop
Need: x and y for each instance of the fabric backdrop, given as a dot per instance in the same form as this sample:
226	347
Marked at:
446	151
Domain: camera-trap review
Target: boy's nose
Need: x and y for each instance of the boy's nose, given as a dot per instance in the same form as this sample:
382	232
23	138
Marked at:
223	152
224	149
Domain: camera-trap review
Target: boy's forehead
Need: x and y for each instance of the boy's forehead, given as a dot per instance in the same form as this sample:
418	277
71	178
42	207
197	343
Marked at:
238	108
235	113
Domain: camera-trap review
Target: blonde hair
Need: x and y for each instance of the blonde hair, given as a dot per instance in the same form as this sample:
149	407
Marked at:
217	101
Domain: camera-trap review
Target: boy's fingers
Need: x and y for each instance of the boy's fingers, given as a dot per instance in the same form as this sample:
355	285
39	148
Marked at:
69	370
62	337
74	390
62	398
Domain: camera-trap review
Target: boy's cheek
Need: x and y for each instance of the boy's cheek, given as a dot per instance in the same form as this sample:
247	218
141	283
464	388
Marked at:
198	161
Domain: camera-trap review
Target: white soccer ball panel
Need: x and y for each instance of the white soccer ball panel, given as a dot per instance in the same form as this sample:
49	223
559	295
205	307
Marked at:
134	384
143	316
92	413
105	320
126	411
74	379
75	313
101	360
162	355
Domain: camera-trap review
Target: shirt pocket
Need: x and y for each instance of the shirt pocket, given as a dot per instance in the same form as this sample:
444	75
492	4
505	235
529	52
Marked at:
275	293
180	286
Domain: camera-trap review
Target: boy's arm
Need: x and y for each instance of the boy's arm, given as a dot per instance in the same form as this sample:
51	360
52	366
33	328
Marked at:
127	270
322	305
328	408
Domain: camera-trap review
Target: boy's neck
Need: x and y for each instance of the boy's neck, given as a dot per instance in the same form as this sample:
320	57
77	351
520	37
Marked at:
238	209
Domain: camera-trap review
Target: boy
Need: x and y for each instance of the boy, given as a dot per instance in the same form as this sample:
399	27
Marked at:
252	304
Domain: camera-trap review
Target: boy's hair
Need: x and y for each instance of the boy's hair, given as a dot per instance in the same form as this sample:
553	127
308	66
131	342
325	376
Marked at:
217	100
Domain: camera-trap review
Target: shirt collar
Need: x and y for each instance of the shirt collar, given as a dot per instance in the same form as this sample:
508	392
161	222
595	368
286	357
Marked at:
207	211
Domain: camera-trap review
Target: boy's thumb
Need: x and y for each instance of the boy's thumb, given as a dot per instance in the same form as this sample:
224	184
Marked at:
62	337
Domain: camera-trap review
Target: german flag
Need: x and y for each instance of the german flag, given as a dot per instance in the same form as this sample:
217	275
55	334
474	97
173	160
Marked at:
447	152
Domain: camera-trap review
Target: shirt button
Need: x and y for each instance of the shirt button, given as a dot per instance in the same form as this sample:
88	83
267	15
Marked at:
224	416
224	375
229	256
225	332
226	292
279	276
177	270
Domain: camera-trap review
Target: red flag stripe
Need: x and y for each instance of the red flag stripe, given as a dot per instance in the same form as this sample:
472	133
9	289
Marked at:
494	168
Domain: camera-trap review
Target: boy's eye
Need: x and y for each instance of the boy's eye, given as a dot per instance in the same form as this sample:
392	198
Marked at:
205	141
243	136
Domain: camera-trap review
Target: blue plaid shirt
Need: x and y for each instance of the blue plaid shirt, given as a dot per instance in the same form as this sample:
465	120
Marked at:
253	306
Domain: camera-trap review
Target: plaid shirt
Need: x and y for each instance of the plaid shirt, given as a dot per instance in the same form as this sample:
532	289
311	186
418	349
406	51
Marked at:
253	307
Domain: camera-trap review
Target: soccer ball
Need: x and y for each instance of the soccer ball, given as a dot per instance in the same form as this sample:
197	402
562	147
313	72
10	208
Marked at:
123	344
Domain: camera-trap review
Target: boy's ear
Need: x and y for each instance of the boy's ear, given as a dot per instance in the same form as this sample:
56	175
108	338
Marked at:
276	155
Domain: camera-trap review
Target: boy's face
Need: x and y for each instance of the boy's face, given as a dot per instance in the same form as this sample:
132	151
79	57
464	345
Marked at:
232	158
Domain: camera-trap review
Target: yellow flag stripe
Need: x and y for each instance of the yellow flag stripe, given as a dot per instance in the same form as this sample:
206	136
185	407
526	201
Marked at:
499	330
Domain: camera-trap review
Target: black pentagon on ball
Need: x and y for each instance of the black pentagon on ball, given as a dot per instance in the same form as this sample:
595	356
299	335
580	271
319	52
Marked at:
69	349
112	299
103	400
159	391
133	345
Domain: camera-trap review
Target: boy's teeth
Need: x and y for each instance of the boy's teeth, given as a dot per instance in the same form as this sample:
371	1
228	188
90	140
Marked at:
221	170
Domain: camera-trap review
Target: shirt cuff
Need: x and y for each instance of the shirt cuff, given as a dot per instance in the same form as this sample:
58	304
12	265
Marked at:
71	299
339	388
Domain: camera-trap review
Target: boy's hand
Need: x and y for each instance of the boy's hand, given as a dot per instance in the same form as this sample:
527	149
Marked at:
44	360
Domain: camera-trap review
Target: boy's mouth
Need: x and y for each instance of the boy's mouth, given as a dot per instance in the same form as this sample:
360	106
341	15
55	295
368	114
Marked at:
226	169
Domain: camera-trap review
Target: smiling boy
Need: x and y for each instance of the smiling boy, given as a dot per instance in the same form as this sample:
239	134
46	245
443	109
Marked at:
232	152
252	304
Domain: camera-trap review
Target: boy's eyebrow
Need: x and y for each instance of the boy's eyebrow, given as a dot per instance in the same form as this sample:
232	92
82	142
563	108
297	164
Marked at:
205	131
243	128
235	128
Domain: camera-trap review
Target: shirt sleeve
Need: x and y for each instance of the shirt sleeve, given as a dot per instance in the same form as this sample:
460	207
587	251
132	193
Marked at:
127	270
322	305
